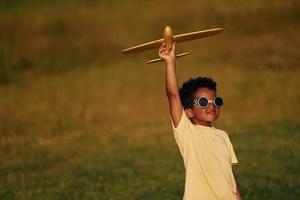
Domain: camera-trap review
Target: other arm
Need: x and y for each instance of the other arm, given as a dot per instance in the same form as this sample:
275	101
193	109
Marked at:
238	194
171	83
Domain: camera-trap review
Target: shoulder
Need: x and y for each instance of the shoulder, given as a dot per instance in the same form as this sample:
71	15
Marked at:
222	134
184	123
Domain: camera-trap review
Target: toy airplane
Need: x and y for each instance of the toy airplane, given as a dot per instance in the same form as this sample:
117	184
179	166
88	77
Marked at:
168	39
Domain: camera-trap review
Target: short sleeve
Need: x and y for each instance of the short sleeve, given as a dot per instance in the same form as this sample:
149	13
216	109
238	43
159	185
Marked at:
232	154
182	132
183	123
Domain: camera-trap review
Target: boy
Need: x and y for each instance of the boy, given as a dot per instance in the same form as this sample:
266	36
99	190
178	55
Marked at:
207	152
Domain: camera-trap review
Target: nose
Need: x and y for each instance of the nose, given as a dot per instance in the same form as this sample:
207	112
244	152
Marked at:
211	105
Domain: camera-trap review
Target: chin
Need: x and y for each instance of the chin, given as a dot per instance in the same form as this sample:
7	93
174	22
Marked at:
212	119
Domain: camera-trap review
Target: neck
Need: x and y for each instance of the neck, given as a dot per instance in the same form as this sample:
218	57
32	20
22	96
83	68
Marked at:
208	124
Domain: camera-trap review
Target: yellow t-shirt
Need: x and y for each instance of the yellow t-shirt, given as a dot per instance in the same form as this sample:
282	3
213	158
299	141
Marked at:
208	156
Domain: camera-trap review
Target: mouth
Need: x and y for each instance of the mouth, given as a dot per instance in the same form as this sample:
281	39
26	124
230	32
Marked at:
212	112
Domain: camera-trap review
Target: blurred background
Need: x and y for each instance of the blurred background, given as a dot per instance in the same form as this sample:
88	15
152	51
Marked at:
79	120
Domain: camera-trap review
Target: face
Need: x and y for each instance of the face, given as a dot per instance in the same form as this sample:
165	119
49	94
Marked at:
204	116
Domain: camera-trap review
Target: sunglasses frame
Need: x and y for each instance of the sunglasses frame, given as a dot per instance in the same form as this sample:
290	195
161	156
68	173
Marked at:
196	102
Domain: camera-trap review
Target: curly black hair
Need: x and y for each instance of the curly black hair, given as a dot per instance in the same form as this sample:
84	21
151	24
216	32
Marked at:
191	86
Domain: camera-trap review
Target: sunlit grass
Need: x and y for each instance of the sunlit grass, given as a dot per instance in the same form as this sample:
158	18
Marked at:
78	120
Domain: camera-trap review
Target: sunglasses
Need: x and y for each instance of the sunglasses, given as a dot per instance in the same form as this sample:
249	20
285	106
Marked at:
203	102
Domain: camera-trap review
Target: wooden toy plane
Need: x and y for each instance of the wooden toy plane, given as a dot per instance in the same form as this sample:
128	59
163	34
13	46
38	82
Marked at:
168	38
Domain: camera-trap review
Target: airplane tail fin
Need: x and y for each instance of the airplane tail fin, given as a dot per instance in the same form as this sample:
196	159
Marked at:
159	59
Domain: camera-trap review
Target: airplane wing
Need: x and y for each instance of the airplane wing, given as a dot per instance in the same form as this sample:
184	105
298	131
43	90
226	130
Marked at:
177	38
143	47
196	35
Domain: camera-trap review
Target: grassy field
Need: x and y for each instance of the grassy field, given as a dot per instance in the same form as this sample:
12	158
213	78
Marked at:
78	120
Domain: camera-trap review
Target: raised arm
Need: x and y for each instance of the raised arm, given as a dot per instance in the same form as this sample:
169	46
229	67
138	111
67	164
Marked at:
172	92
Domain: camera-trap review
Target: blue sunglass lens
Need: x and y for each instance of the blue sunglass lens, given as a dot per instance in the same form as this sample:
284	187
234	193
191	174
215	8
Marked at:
203	102
219	101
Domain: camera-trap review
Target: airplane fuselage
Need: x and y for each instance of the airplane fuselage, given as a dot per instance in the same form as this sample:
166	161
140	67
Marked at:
168	37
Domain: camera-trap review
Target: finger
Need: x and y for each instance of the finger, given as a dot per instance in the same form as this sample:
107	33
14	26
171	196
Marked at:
173	48
161	50
161	47
161	53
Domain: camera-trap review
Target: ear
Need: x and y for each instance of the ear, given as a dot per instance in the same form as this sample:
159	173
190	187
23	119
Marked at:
189	112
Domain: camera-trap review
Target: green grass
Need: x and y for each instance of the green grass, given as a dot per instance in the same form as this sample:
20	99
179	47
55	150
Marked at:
271	162
78	120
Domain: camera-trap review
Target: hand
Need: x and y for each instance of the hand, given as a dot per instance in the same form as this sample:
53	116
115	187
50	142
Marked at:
168	56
